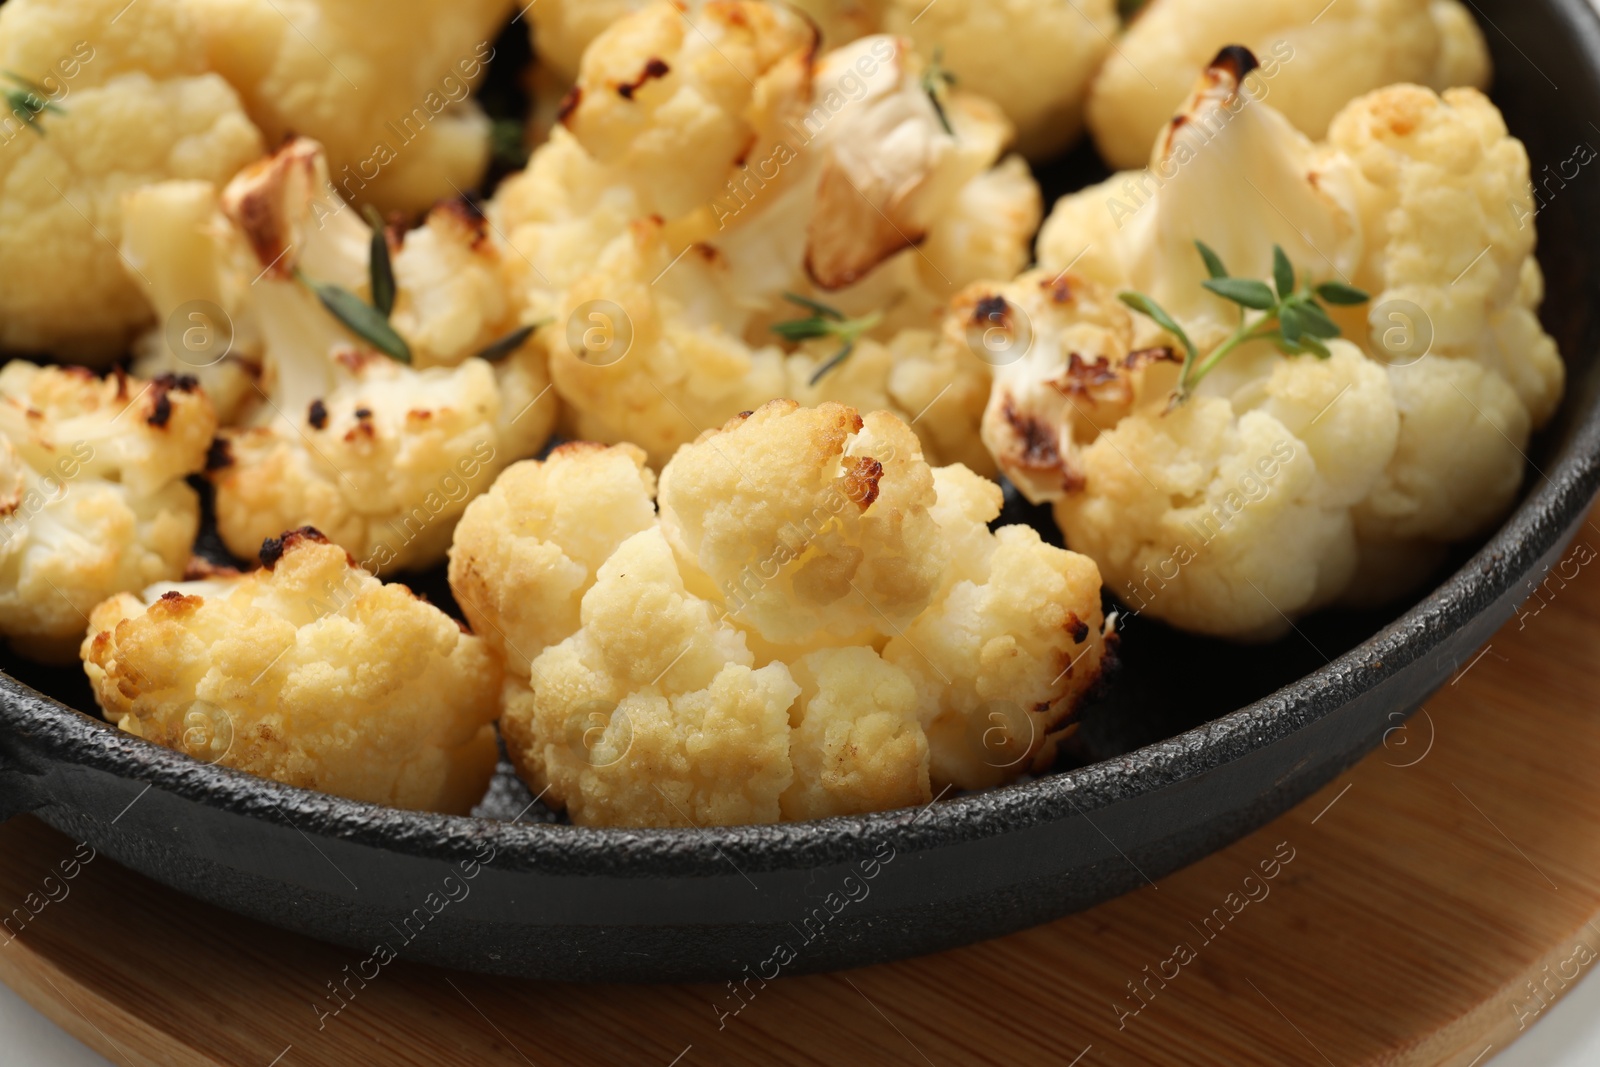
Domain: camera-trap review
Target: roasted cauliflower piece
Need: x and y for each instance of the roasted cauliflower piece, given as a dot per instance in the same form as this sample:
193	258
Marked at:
131	102
817	624
309	671
663	326
1284	482
1034	58
677	101
380	455
386	87
92	494
1315	57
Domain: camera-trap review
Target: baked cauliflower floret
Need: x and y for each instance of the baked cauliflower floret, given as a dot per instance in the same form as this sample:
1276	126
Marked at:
135	106
309	671
653	713
380	455
664	327
524	556
1034	58
387	87
676	101
817	624
1407	437
92	494
1316	58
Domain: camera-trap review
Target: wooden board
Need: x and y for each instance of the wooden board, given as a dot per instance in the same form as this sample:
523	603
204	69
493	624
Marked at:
1434	901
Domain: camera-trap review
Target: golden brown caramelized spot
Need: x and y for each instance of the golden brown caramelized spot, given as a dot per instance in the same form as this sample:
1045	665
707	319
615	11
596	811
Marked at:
219	456
1058	288
469	216
992	311
318	415
1144	357
363	414
175	605
161	399
1236	61
122	381
569	104
1041	450
273	548
861	478
354	359
1077	628
654	68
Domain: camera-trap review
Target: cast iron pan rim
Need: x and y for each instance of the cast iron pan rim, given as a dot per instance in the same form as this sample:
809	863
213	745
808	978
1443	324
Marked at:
50	730
47	731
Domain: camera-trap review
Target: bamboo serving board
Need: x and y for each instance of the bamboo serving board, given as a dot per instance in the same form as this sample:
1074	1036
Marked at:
1422	909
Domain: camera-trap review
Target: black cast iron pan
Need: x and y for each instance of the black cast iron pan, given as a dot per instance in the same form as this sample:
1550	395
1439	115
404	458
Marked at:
1199	743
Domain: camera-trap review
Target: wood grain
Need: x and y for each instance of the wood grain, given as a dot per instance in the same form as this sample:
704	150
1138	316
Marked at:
1437	898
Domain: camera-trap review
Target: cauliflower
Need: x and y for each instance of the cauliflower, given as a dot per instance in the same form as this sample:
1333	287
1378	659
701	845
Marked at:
379	455
386	87
817	623
1284	482
662	325
309	671
133	104
92	494
676	102
1035	58
1317	57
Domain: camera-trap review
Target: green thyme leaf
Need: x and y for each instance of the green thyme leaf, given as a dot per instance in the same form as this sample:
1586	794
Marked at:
356	316
1316	321
1342	295
1282	273
1246	292
815	306
826	322
935	80
495	351
1145	306
29	102
803	329
1290	324
842	355
507	144
379	269
1213	261
1315	347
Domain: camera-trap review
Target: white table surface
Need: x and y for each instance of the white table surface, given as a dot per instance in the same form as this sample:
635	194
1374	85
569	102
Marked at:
1567	1036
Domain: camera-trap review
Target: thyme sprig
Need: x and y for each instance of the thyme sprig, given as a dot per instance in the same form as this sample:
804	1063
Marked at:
28	101
935	80
1292	318
357	316
370	322
825	321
